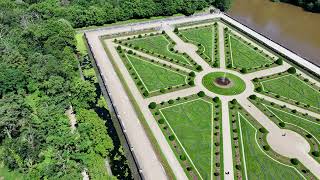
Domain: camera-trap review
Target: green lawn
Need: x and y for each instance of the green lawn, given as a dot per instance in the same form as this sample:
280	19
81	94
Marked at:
155	77
244	56
237	86
202	35
10	175
311	126
158	44
293	88
258	165
192	124
81	46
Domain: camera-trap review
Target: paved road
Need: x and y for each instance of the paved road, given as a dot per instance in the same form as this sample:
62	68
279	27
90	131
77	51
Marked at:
150	164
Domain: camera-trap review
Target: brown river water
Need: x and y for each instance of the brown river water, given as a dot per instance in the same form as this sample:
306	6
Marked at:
289	25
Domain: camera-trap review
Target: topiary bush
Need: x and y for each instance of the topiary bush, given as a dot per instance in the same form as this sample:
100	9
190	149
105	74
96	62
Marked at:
294	161
253	97
282	124
292	70
279	61
152	105
171	101
216	99
263	130
183	157
192	74
161	121
201	94
316	153
172	137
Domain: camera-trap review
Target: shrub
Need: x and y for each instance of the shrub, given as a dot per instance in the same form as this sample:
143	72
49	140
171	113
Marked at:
152	105
255	80
183	157
201	94
266	147
238	167
171	101
259	89
145	94
279	61
191	83
130	52
176	30
162	90
292	70
234	101
163	32
316	153
172	137
294	161
282	124
262	130
309	136
119	48
192	74
243	70
253	97
216	99
199	68
161	121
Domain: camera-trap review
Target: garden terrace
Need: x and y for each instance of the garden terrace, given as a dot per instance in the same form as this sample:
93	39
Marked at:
291	88
153	78
253	157
305	125
159	45
192	126
206	39
244	56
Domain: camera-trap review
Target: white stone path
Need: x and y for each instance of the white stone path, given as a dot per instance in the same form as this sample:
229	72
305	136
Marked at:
150	165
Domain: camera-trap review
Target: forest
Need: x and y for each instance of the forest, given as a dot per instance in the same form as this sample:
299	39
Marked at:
309	5
40	81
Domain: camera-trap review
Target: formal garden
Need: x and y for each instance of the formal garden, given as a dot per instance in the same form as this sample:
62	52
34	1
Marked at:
188	109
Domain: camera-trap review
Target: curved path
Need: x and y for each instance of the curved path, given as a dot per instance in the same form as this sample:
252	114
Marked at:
150	164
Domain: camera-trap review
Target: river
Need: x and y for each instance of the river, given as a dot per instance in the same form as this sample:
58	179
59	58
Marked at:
289	25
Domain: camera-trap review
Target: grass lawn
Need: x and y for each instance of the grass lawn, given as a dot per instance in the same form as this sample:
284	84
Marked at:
244	56
293	88
81	46
158	44
237	86
192	123
202	35
155	77
257	164
10	175
311	126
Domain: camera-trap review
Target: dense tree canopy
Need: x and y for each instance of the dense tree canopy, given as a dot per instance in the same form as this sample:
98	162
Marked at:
309	5
39	81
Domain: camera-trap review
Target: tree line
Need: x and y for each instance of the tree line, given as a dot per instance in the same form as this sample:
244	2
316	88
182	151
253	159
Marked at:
82	13
309	5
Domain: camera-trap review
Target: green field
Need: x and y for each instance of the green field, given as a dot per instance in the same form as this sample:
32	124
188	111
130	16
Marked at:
202	35
238	85
244	56
293	88
81	46
155	77
311	126
258	165
158	44
192	124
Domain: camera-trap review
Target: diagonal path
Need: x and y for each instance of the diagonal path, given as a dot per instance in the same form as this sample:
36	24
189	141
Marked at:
268	72
281	103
